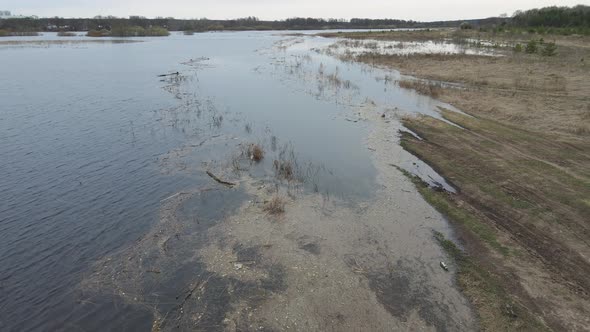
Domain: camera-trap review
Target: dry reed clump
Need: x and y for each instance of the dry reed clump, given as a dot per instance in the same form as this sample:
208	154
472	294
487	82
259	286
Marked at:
276	205
283	169
255	152
423	88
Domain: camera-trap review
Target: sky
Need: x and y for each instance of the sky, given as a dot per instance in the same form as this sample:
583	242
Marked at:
419	10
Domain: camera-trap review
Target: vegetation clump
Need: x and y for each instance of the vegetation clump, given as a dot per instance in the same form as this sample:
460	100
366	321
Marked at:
10	33
255	152
130	31
276	205
466	26
549	49
284	169
423	88
531	47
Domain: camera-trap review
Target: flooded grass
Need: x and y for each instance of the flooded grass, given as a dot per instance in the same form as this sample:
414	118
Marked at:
284	169
66	34
424	88
10	33
59	43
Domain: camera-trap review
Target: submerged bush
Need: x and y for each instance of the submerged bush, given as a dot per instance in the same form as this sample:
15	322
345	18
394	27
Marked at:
255	152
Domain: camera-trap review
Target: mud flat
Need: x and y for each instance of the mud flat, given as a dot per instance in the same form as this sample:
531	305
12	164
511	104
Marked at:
520	160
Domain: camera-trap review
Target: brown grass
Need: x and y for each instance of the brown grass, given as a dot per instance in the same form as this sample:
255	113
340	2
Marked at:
422	87
276	205
255	152
522	167
284	169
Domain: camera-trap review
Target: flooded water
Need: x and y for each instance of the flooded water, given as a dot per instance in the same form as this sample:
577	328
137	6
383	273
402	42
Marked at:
101	139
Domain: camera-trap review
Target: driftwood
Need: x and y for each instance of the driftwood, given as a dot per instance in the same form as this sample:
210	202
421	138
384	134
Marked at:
231	184
171	74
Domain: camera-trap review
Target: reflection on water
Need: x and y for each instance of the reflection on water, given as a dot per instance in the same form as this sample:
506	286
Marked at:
94	140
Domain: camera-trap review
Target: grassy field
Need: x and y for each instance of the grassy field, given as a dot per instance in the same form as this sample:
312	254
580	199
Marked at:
521	162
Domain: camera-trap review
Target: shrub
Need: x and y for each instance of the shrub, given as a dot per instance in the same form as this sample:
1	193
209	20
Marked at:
549	49
466	26
517	48
531	47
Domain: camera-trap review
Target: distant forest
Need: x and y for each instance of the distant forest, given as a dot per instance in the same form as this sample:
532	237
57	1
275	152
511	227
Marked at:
555	17
204	24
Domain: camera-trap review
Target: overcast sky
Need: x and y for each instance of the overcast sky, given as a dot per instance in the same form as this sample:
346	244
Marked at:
421	10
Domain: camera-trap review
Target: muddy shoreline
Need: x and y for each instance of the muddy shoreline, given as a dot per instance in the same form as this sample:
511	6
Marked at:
311	267
515	160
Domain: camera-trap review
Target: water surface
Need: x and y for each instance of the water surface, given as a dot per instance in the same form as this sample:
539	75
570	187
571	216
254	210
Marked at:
93	140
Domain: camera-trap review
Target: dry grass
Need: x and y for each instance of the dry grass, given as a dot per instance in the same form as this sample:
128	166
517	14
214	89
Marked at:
539	93
522	167
516	184
255	152
276	205
284	169
422	87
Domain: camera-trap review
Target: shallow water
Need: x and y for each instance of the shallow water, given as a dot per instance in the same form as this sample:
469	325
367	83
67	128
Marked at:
92	141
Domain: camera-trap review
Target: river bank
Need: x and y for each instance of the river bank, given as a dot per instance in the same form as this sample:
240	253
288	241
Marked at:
519	160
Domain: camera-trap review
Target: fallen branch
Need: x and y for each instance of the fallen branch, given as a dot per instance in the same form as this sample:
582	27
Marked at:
230	184
171	74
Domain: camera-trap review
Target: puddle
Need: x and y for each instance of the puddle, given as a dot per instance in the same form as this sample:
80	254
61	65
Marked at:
348	47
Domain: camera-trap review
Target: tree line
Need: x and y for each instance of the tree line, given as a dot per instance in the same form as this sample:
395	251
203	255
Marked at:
555	17
197	25
575	18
